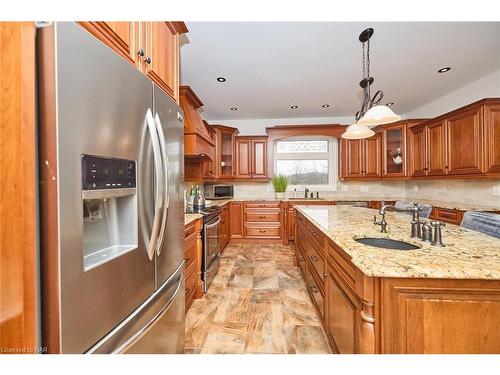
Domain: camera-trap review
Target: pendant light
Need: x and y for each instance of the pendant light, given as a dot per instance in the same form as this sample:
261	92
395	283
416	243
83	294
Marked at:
357	131
372	113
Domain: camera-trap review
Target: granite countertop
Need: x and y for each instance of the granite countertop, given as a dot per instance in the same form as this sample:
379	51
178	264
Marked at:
434	203
189	218
467	255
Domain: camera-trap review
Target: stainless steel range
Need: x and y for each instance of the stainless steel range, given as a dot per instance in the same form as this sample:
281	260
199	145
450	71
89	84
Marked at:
211	244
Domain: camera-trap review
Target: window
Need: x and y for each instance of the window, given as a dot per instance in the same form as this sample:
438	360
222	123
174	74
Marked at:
308	162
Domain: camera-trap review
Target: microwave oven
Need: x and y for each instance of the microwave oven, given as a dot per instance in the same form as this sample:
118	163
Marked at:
218	191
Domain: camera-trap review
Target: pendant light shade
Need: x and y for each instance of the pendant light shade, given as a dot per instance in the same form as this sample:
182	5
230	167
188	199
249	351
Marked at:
357	131
378	115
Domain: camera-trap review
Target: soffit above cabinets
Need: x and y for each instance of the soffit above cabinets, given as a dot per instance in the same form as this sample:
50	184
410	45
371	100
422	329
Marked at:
272	66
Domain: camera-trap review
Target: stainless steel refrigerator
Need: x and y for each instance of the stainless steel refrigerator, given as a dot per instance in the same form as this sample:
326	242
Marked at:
111	201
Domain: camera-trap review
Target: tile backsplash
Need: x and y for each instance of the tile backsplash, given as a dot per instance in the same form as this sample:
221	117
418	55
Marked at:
480	192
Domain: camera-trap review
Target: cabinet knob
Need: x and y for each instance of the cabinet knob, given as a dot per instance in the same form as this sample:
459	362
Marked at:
140	52
313	289
148	60
325	275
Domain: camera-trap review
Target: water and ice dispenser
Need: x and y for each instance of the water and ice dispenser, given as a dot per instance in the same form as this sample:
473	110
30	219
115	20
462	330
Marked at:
109	197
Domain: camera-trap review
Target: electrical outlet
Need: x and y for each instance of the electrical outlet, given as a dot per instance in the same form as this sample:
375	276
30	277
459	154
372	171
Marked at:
496	190
345	188
363	188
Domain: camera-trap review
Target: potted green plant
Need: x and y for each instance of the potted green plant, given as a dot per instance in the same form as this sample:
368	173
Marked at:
280	183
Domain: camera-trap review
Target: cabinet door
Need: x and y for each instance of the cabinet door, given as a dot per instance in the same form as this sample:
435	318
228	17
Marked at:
371	156
343	311
236	222
351	158
162	56
243	158
492	138
436	149
117	35
465	143
394	159
259	158
417	152
226	157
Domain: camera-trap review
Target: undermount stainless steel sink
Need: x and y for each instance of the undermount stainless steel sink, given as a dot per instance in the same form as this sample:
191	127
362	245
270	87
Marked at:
387	243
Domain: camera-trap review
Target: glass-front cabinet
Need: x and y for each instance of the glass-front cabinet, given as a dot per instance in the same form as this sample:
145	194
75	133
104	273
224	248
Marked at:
394	150
225	151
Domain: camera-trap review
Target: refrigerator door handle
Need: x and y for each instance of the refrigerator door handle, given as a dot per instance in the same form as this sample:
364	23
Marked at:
166	180
159	191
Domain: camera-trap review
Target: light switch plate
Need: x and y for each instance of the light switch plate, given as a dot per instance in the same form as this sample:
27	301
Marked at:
496	191
345	188
363	188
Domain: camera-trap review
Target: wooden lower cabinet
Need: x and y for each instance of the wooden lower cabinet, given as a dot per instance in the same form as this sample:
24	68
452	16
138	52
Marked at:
193	248
262	220
371	315
236	223
224	226
343	315
431	316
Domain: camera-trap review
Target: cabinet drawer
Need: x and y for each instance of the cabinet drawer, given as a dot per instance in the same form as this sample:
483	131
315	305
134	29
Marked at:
189	230
256	215
343	267
261	231
317	237
316	294
317	262
447	215
262	204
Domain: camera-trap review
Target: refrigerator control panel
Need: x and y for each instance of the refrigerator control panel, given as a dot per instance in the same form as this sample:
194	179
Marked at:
100	172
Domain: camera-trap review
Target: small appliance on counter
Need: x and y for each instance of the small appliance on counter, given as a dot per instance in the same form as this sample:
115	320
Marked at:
198	198
213	191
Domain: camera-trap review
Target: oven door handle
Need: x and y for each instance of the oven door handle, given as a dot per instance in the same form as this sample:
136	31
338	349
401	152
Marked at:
213	224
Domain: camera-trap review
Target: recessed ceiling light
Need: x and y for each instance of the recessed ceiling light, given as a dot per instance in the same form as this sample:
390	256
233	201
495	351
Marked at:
326	105
389	104
294	107
221	79
444	70
234	109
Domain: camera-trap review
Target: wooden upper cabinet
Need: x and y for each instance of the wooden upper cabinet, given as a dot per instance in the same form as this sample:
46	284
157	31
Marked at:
436	148
120	36
465	143
251	157
259	158
243	158
225	158
153	47
351	158
417	152
491	121
394	157
371	156
162	56
361	158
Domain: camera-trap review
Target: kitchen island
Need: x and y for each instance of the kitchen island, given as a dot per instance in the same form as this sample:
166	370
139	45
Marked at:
374	300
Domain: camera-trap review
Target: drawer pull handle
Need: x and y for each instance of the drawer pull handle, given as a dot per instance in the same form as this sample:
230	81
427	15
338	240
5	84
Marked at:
314	234
262	217
187	291
262	231
313	258
187	260
314	289
301	259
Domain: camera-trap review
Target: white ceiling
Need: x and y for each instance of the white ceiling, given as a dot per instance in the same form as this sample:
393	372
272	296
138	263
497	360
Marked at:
272	66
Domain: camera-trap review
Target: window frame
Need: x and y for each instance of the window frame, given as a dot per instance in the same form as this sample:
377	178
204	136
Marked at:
332	157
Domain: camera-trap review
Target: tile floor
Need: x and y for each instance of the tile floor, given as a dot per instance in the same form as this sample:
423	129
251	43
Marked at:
257	303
